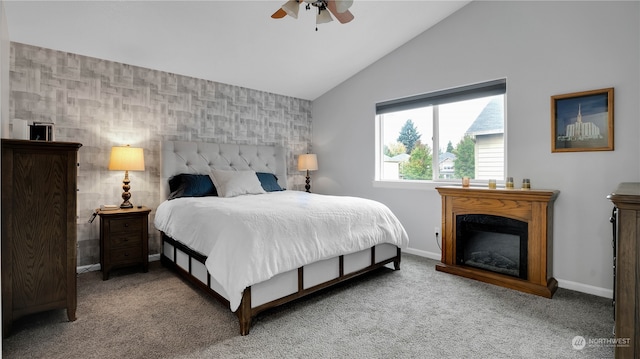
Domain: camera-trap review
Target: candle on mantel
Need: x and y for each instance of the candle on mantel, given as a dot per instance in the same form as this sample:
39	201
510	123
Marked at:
509	183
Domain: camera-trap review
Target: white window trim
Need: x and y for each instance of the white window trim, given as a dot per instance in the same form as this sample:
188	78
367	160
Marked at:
425	184
429	184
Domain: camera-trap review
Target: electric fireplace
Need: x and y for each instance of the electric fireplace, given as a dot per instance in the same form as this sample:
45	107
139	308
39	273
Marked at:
492	243
499	236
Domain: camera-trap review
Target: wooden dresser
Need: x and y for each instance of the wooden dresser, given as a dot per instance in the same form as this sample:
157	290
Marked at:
38	228
626	198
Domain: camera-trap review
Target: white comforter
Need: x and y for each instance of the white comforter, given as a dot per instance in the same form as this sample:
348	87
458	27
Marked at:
249	239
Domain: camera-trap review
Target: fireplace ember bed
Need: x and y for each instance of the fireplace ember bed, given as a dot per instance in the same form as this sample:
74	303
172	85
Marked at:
489	210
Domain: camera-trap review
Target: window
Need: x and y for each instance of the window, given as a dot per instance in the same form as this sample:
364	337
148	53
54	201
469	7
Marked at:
464	125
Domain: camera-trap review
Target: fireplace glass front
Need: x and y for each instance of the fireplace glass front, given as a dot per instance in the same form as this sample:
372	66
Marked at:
493	243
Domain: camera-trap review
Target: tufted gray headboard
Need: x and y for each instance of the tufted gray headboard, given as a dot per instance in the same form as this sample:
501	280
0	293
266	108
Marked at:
201	157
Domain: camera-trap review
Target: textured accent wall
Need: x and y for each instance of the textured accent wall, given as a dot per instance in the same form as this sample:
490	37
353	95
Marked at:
101	103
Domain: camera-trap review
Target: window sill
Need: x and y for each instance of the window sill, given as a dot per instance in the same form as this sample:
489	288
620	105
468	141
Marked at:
406	184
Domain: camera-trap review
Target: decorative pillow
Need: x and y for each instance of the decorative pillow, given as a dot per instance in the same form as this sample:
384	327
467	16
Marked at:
236	183
191	185
269	181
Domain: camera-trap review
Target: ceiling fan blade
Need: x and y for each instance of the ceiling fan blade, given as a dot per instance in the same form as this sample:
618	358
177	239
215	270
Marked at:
279	14
343	17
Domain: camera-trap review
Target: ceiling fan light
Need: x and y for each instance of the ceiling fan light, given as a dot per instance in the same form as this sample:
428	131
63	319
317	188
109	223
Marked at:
343	5
323	17
291	7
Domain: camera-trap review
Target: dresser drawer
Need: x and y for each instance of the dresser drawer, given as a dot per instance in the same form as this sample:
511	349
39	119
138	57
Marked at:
123	240
126	255
131	225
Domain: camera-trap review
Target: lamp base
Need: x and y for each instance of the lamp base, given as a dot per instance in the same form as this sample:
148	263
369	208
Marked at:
307	185
126	194
126	204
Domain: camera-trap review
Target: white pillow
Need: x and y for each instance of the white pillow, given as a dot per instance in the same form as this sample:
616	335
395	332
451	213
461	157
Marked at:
235	183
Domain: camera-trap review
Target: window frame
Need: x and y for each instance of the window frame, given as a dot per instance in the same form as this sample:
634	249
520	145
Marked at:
455	94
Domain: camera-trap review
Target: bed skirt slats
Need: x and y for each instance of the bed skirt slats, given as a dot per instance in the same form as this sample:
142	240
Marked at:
282	288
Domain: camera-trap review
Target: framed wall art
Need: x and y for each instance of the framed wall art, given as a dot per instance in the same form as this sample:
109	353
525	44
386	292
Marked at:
582	121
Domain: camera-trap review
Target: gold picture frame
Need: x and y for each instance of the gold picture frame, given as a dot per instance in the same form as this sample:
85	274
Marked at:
582	121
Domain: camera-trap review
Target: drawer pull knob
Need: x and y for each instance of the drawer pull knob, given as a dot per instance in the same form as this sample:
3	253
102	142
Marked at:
126	224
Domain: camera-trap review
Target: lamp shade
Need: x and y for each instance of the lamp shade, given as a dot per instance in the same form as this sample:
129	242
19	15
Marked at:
307	162
291	8
343	5
323	17
125	158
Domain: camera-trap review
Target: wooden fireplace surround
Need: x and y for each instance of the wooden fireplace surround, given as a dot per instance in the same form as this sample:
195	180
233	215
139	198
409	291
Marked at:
535	207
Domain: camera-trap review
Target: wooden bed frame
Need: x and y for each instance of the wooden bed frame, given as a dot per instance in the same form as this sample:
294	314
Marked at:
190	265
199	158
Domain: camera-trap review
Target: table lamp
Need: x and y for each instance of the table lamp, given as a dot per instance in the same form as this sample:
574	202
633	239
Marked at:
307	162
126	158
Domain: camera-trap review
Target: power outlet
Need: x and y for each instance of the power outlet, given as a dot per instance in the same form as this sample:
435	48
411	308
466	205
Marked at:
436	231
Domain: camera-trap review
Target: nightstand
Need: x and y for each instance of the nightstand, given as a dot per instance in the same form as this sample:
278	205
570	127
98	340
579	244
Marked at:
124	239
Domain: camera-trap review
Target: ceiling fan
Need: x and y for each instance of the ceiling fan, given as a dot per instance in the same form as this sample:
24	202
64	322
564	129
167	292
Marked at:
339	9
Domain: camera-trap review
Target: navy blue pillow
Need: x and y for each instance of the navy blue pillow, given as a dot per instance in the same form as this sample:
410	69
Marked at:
190	185
269	182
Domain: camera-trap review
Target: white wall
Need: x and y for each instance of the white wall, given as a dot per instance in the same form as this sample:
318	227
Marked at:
4	73
543	49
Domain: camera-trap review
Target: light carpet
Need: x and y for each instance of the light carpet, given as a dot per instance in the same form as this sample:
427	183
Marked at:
416	312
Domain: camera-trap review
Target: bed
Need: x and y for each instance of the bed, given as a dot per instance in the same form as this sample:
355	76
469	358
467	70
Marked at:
256	246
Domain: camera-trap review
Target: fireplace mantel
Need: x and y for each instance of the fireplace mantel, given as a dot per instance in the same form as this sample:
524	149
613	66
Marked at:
535	207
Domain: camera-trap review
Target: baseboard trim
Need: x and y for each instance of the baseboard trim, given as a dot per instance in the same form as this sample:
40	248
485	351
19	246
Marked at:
585	288
565	284
421	253
96	266
88	268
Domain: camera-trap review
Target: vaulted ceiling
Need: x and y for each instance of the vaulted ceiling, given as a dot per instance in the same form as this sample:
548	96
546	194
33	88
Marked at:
234	42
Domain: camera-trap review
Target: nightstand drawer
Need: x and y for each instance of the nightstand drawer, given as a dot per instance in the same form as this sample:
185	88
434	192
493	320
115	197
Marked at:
131	225
123	240
126	255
